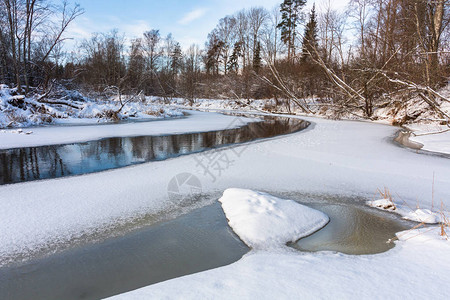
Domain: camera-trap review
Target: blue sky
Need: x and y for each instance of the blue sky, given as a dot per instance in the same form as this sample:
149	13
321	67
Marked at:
188	21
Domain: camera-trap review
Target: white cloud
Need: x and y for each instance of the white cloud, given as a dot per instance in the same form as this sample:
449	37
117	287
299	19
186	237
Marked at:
79	29
192	15
135	28
83	28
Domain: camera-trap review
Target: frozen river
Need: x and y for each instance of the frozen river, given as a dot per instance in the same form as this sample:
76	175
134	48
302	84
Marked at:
329	160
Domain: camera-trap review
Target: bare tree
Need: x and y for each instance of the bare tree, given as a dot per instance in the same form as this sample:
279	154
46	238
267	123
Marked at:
54	33
35	25
270	37
225	33
243	27
430	24
12	11
359	10
191	73
257	16
152	40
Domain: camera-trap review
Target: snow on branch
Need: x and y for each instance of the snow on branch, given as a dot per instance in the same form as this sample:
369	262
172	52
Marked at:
427	94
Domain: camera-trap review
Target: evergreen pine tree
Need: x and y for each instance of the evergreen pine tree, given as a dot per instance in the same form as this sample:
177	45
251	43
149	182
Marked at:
214	50
290	17
257	58
176	58
233	63
310	44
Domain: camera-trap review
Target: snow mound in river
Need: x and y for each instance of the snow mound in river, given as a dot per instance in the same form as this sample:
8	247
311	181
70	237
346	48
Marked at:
265	221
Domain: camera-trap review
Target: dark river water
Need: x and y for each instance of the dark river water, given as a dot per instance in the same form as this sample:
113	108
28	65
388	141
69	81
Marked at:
195	242
33	163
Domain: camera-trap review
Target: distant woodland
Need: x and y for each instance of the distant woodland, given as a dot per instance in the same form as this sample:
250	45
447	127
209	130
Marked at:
376	53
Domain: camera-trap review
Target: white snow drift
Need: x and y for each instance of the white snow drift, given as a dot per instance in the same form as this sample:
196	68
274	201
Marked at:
264	221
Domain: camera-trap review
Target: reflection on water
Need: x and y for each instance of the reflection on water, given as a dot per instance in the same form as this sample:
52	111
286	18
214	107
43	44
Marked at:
26	164
352	230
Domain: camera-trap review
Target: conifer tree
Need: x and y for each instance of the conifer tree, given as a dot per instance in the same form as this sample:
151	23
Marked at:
233	63
176	58
290	17
309	43
257	58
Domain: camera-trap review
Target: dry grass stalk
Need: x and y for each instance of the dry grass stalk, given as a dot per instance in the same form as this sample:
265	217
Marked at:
386	194
432	194
445	222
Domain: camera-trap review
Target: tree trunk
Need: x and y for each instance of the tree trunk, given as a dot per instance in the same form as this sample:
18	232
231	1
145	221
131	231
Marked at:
12	20
436	30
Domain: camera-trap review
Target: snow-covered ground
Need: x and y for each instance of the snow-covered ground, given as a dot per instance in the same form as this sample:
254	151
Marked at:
416	269
345	158
68	106
51	135
435	138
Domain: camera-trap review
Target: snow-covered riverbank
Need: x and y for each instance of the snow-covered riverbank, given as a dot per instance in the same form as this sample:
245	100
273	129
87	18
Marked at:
434	138
69	106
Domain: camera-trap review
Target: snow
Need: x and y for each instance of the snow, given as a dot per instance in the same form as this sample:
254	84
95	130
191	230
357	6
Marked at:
264	221
418	215
416	268
20	111
423	215
215	104
412	110
384	204
346	158
52	135
437	142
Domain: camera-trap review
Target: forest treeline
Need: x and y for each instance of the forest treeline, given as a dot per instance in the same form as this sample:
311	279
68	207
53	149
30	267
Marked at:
375	53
